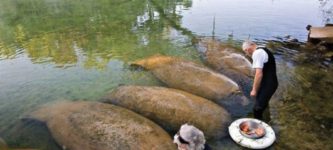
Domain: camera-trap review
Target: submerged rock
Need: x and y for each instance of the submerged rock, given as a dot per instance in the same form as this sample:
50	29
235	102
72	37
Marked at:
171	108
191	77
93	125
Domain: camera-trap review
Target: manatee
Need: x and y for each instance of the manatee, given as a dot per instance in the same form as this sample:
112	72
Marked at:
228	61
189	76
170	108
92	125
223	57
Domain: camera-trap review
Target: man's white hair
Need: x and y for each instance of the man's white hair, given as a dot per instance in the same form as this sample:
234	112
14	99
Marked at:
193	135
247	44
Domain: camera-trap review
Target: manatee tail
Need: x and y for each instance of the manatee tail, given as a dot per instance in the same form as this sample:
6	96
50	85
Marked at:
146	62
140	64
45	112
153	61
110	97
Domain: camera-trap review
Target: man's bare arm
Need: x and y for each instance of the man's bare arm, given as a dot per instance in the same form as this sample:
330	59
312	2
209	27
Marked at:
257	80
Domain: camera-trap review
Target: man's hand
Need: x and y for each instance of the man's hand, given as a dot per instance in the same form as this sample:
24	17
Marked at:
253	93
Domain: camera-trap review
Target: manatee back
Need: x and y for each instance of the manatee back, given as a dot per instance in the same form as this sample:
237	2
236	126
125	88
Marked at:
224	57
172	108
196	79
92	125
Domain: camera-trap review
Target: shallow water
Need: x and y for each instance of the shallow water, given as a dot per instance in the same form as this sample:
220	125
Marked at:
69	49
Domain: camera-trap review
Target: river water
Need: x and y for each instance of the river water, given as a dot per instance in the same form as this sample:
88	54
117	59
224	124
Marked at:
80	50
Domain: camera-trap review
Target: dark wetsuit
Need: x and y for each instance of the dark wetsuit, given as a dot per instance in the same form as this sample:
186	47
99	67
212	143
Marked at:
268	85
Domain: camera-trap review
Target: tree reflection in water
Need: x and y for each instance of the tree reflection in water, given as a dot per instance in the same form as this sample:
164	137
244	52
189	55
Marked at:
66	32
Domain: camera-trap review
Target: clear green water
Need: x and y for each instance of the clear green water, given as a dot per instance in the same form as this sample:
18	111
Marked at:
80	50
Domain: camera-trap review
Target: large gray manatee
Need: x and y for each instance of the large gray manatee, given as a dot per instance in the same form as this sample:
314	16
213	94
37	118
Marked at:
194	78
228	61
99	126
171	108
223	57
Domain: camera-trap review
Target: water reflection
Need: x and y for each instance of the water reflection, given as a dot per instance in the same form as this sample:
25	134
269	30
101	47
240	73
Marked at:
277	18
57	31
306	110
61	49
302	106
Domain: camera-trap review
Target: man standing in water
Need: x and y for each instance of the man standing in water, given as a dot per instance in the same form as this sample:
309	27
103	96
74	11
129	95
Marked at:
265	80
